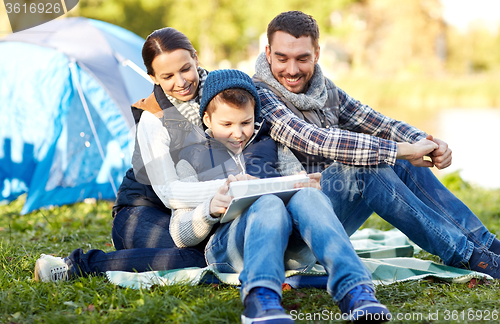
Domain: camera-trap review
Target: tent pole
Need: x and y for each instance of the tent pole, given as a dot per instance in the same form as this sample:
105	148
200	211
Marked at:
72	66
132	65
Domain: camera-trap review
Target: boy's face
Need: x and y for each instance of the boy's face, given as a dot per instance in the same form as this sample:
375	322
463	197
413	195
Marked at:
232	126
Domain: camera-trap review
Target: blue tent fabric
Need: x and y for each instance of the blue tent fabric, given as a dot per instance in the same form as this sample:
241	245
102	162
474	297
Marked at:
65	96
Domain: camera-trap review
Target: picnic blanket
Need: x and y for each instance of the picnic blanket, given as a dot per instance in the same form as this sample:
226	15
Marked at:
387	254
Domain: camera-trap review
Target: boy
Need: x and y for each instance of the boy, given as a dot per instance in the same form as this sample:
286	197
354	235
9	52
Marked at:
259	241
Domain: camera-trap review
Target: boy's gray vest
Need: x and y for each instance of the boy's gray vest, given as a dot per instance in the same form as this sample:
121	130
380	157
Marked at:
326	117
136	189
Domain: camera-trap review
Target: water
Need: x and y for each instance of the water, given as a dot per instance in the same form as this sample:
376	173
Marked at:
473	134
474	137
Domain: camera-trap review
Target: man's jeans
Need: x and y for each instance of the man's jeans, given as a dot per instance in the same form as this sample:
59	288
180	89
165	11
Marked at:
264	231
143	243
411	199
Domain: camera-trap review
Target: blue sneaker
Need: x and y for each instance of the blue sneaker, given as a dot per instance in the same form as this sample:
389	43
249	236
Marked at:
361	305
262	306
485	261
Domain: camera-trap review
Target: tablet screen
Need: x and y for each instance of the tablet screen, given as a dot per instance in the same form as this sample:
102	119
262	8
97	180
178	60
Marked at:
262	186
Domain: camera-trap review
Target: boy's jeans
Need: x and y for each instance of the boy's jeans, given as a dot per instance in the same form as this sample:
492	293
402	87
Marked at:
410	198
259	238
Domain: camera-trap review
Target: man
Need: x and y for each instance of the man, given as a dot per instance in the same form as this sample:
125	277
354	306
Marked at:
369	162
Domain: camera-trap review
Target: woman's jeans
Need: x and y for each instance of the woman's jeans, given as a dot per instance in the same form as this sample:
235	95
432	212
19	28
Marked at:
259	238
143	243
410	198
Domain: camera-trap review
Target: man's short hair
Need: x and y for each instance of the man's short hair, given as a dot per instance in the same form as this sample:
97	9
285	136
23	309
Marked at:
295	23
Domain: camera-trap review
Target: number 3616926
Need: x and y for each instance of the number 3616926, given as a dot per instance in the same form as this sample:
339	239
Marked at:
33	8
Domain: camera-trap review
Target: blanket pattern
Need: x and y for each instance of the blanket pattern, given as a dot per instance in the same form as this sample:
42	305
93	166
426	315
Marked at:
388	255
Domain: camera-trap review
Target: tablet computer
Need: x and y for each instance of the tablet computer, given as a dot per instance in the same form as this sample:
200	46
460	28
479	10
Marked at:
245	192
263	186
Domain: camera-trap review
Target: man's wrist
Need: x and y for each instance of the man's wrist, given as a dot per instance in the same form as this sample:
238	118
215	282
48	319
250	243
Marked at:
403	150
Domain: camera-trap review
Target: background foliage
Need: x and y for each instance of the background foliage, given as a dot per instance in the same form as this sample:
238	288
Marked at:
388	47
386	37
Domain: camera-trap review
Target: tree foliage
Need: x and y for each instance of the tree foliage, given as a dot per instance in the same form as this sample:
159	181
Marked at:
475	51
386	37
219	29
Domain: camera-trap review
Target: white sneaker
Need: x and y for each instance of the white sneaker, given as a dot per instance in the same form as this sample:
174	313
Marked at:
51	268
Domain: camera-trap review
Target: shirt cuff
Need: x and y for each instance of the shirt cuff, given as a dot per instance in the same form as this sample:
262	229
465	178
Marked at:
419	137
209	219
388	151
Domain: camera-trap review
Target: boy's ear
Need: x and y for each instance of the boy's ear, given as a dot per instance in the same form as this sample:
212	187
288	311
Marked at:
206	120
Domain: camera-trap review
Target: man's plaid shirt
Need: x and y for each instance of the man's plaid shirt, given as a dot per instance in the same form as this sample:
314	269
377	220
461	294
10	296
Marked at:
363	137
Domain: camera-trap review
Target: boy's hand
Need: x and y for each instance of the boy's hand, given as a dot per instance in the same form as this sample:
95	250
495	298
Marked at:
220	201
240	177
314	181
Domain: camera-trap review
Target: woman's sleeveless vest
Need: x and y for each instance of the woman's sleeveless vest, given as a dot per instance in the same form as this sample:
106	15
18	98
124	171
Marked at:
136	189
326	117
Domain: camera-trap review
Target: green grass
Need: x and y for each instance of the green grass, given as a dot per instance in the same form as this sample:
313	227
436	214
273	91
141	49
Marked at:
94	300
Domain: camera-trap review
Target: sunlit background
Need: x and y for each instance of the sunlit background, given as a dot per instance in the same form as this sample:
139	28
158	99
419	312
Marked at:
433	63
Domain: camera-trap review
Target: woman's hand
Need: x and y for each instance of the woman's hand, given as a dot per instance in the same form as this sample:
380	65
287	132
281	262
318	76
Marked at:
220	201
314	181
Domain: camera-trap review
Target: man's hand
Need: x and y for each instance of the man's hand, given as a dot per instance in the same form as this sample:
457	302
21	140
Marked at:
314	181
415	153
441	157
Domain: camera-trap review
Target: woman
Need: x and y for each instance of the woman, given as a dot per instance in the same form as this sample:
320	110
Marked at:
151	187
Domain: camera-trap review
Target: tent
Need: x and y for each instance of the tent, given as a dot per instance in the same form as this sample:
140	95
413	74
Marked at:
66	129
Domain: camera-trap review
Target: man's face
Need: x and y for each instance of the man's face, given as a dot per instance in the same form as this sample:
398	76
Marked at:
292	60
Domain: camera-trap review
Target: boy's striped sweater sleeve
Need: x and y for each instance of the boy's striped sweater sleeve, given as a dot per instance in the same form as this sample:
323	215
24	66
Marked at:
190	226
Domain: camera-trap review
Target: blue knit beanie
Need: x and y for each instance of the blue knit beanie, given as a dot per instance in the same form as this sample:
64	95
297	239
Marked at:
220	80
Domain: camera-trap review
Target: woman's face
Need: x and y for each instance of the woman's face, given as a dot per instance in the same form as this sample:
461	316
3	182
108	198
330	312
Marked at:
176	72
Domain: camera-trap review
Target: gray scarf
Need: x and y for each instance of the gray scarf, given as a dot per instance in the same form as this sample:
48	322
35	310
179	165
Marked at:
314	98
